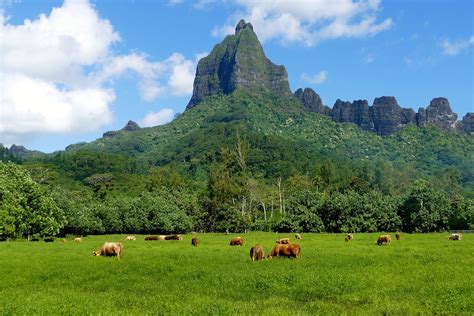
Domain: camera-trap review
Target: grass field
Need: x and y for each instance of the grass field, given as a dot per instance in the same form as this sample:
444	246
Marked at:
422	273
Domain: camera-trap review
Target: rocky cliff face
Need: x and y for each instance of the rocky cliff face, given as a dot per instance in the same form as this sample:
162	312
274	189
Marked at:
467	124
312	101
18	150
131	126
438	113
357	112
386	116
238	62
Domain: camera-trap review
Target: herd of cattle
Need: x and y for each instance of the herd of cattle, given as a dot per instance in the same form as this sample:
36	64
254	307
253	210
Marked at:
283	247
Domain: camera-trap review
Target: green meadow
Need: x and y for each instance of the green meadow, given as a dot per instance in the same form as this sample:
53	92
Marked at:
421	273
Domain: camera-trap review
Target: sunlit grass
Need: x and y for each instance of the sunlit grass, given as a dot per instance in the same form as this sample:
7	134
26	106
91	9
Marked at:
423	273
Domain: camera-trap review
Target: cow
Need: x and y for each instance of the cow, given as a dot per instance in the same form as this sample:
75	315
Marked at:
456	236
130	238
349	237
397	235
78	239
173	237
64	240
283	241
384	239
257	253
154	237
297	236
290	251
237	241
110	249
194	241
48	239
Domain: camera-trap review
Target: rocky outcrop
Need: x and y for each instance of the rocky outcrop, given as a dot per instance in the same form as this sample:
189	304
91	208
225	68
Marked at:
311	101
19	151
131	126
467	124
438	113
384	117
238	62
387	115
359	112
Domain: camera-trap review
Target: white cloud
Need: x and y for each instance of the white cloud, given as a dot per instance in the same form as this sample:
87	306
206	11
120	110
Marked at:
315	79
454	48
182	75
57	73
60	110
309	21
203	4
158	118
55	47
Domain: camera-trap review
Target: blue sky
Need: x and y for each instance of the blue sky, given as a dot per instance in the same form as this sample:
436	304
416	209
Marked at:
73	70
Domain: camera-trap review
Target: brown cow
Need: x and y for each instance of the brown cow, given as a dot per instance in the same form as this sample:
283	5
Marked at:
292	250
349	237
257	253
130	238
384	239
110	249
154	237
283	241
397	235
151	238
194	241
456	236
173	237
237	241
297	236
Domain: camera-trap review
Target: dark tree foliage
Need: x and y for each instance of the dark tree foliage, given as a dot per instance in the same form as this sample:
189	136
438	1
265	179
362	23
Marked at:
26	208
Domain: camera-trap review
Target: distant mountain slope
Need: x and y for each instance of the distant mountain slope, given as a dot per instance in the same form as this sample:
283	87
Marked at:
284	137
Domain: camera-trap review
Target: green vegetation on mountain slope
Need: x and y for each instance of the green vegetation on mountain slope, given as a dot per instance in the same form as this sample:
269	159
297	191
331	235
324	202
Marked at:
257	161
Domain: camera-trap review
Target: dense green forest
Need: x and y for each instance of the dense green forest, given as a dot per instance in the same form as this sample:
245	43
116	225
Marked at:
244	161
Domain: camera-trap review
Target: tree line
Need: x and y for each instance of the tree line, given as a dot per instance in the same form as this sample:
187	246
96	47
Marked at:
231	199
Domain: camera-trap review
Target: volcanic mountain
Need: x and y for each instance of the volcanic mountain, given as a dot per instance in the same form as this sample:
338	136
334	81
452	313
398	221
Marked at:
240	94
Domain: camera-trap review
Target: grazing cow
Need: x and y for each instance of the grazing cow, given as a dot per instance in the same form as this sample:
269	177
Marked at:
110	249
349	237
194	241
384	239
257	253
48	239
283	241
173	237
151	238
456	236
297	236
130	238
64	240
397	235
154	237
78	239
290	251
237	241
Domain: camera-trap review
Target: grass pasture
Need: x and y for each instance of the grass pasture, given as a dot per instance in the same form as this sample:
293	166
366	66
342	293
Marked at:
422	273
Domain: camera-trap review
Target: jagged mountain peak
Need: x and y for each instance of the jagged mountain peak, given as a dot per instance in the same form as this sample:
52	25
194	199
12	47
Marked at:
238	62
242	25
